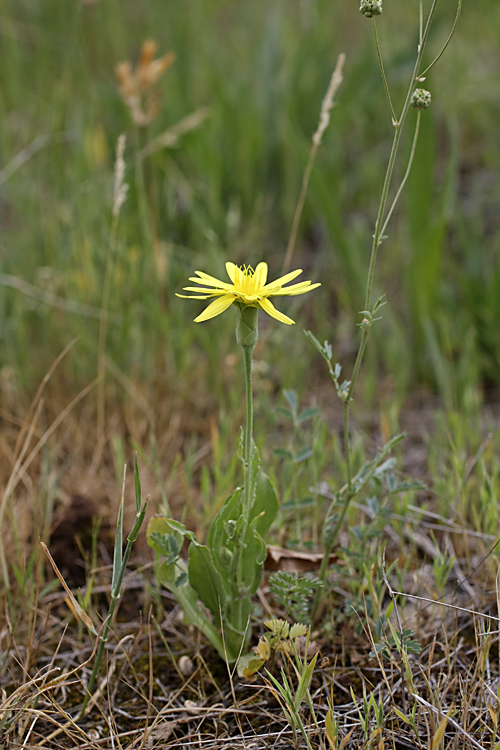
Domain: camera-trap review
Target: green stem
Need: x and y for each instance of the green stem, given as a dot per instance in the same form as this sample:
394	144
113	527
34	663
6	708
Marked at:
248	445
347	450
381	63
378	235
116	587
379	223
246	335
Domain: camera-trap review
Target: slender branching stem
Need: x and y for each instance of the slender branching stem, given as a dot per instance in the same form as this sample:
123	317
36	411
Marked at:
406	175
384	79
457	16
379	222
378	237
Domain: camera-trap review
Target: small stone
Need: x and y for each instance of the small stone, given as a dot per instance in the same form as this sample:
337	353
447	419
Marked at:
186	666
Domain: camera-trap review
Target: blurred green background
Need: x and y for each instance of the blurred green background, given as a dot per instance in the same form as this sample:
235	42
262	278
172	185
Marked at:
228	190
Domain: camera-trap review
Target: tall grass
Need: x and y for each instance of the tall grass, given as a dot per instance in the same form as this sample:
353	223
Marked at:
229	189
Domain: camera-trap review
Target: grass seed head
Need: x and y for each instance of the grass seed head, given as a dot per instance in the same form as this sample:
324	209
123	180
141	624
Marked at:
135	85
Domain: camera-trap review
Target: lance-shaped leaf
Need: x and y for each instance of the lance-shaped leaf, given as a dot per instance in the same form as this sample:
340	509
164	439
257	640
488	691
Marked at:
206	580
222	534
265	504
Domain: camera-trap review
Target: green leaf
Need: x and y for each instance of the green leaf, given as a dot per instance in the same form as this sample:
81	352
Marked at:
218	538
265	502
284	412
291	398
167	544
305	681
206	581
297	630
303	502
409	485
254	554
165	535
309	413
137	483
117	557
303	454
283	453
325	350
384	467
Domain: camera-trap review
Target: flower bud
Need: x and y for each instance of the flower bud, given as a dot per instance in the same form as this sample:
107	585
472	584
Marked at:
370	8
247	331
421	99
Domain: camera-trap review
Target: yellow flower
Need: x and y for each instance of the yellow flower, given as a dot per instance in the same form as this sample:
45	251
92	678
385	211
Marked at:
248	287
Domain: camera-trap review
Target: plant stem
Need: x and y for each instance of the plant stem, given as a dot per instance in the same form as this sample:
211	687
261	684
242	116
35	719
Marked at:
380	62
247	333
248	444
378	237
119	568
380	225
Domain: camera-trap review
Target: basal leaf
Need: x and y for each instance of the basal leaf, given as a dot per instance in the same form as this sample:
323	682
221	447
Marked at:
266	502
206	580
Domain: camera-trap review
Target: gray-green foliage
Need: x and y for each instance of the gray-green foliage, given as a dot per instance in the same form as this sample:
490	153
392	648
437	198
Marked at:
294	592
225	573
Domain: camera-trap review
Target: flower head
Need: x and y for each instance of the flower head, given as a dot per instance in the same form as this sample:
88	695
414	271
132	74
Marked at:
421	99
248	287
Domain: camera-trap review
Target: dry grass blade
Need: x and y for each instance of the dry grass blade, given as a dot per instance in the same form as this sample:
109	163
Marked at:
22	157
74	604
22	466
449	720
52	300
170	137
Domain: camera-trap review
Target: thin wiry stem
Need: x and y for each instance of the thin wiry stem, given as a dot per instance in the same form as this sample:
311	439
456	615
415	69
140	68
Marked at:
453	29
347	450
381	63
406	175
378	236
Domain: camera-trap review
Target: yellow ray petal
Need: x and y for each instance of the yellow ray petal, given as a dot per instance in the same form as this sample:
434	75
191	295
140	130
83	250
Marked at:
202	289
301	288
283	280
215	308
305	289
261	274
194	296
231	268
270	309
210	280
